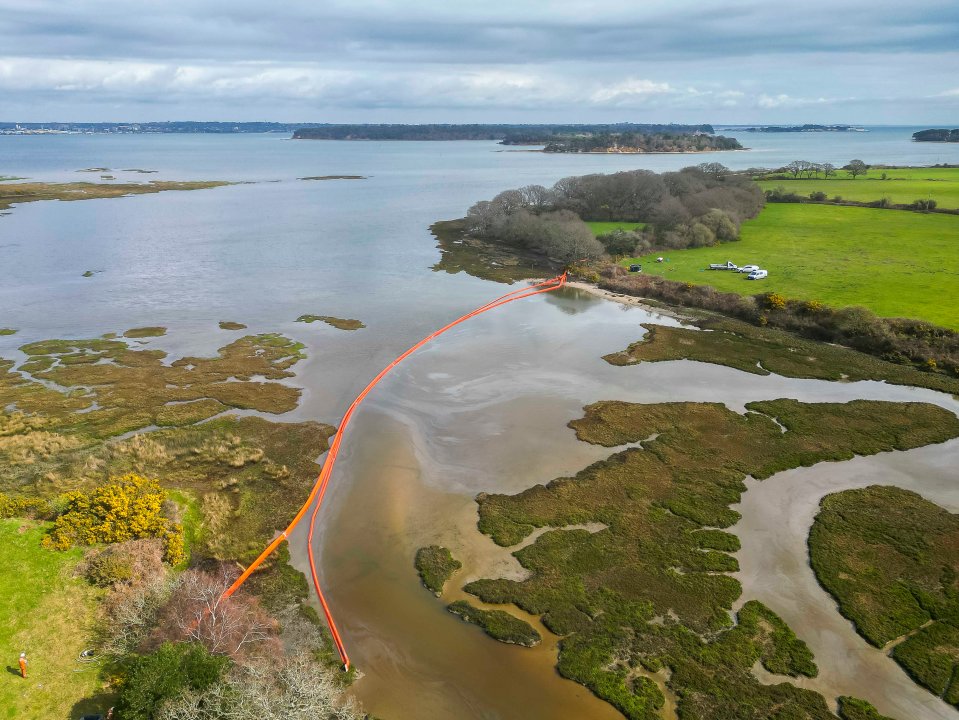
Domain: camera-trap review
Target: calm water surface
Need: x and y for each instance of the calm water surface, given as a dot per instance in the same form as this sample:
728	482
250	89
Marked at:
484	409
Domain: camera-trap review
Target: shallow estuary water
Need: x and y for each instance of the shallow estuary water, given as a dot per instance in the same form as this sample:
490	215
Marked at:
483	409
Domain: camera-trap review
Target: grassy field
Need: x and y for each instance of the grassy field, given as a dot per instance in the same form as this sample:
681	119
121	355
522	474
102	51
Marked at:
601	228
903	185
47	614
897	264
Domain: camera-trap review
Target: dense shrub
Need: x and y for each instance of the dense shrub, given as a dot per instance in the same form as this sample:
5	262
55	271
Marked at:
624	242
134	561
14	506
924	205
773	301
128	508
780	194
150	680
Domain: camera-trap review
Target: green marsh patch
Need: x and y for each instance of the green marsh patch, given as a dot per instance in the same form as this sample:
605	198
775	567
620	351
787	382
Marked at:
230	325
21	192
338	323
435	565
651	590
498	624
334	177
851	708
107	388
897	264
144	332
890	558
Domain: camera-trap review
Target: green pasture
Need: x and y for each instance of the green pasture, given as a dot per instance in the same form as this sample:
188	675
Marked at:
896	263
48	614
902	186
602	228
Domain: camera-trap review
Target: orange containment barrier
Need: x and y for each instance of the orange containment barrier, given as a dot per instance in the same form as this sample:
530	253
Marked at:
319	487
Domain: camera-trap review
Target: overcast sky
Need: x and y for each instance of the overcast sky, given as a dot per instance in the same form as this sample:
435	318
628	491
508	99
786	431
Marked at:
745	61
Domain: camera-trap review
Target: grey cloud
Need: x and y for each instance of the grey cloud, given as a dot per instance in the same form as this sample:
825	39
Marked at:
663	58
422	32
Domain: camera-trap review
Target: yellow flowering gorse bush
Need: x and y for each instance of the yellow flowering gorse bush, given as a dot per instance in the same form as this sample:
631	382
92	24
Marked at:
128	508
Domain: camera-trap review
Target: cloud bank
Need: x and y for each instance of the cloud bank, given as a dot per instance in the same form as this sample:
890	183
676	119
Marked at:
420	61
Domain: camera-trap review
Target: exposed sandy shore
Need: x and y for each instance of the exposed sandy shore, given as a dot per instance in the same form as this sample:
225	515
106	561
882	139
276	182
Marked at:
627	299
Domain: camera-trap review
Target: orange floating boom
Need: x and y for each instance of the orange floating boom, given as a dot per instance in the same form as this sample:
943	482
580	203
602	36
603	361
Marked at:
319	487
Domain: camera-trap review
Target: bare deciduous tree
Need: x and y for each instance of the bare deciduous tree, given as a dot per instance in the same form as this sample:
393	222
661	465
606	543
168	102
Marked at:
225	626
715	169
857	168
295	688
130	612
537	198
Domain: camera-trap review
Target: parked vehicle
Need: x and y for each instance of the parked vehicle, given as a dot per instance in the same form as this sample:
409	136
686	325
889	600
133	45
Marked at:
728	265
635	268
748	268
757	275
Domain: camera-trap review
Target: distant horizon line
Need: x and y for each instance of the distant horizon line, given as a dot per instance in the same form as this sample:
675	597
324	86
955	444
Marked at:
459	124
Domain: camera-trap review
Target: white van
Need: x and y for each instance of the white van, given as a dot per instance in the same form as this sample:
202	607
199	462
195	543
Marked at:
757	275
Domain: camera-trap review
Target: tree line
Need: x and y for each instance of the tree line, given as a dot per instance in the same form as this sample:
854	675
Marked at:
507	134
693	207
642	143
799	169
936	135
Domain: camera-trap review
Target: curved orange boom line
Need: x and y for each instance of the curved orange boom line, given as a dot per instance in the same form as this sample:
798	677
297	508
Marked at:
319	487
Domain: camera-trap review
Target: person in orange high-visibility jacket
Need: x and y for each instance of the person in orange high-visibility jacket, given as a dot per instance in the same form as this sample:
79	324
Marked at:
23	664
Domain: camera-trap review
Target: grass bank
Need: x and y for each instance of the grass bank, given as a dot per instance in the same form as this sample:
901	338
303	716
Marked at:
600	227
901	186
48	614
897	264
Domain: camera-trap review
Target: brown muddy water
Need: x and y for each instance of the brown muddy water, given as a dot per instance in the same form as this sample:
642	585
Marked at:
485	409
